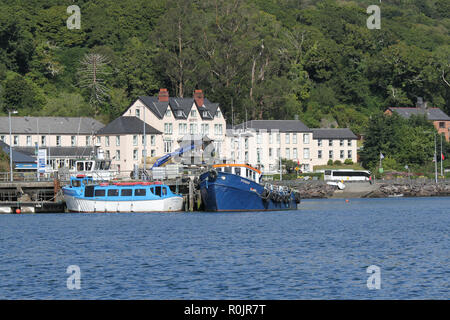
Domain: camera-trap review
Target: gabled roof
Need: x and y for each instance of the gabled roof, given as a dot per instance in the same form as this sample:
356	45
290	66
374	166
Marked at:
180	107
433	114
52	125
280	125
127	125
333	133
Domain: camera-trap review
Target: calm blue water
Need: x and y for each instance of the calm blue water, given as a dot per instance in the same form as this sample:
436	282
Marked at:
321	251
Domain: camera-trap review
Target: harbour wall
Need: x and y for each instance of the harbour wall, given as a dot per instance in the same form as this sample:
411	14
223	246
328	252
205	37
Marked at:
379	189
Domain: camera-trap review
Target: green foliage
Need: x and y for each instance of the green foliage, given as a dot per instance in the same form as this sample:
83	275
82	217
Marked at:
348	161
273	59
337	162
330	162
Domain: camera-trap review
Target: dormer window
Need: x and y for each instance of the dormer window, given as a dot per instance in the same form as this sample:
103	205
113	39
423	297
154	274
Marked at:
205	114
193	113
218	114
168	112
179	113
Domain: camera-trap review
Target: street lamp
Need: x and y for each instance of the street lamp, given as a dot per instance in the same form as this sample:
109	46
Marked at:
10	145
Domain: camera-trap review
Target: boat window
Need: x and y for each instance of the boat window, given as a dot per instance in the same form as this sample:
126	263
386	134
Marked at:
113	192
228	169
140	192
89	166
80	166
76	183
328	172
164	191
158	191
237	171
248	173
126	192
89	191
99	192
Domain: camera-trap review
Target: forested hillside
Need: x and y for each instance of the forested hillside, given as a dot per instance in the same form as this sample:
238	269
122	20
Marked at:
271	59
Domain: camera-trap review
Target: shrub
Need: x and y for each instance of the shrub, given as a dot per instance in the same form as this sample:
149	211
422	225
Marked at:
348	161
330	162
337	162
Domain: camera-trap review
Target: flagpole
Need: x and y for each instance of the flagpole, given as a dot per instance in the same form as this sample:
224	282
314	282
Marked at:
442	174
435	159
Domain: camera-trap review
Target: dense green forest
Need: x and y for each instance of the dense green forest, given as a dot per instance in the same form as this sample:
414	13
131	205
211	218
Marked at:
270	59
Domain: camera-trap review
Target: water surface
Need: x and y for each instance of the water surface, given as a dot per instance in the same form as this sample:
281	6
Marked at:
321	251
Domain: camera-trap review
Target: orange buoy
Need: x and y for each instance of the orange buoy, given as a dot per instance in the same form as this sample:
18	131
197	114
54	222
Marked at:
18	211
346	200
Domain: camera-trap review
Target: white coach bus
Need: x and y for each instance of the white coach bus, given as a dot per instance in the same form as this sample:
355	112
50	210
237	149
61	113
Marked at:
346	175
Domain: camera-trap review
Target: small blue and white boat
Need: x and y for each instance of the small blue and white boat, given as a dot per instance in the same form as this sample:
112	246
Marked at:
82	195
237	187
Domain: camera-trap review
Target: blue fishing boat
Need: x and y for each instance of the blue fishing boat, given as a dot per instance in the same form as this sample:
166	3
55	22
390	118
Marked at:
237	187
83	195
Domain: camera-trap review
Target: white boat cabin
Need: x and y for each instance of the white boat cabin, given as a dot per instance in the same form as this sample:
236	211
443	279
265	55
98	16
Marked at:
242	170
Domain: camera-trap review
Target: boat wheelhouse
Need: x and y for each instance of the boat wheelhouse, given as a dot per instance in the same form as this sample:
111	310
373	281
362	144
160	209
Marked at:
237	187
83	195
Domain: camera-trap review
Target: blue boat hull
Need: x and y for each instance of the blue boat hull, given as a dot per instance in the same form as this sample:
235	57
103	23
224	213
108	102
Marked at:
229	192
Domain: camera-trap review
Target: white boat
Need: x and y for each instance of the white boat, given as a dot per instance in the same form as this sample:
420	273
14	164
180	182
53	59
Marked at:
82	195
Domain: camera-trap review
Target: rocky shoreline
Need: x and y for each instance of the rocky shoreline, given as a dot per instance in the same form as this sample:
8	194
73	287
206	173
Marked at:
319	189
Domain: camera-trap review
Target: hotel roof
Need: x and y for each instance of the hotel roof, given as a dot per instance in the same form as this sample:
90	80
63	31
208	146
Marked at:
127	125
280	125
433	114
52	125
333	133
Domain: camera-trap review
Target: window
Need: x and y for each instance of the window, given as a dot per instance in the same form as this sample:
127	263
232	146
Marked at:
258	138
126	192
99	140
319	142
205	114
117	141
43	140
193	113
218	113
258	155
193	128
278	152
135	154
99	192
330	143
167	128
153	153
441	124
88	140
306	153
246	143
117	155
341	142
330	154
270	138
218	129
205	129
58	141
135	140
294	138
167	146
288	137
158	191
306	138
113	192
179	113
341	154
2	138
140	192
16	140
168	112
143	140
288	153
278	138
107	141
270	153
319	154
246	156
152	140
138	113
349	154
349	143
182	128
294	153
29	141
107	154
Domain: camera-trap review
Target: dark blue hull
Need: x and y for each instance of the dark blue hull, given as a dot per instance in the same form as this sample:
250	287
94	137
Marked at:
229	192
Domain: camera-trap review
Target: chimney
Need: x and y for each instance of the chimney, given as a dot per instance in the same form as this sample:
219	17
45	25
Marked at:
163	95
198	97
